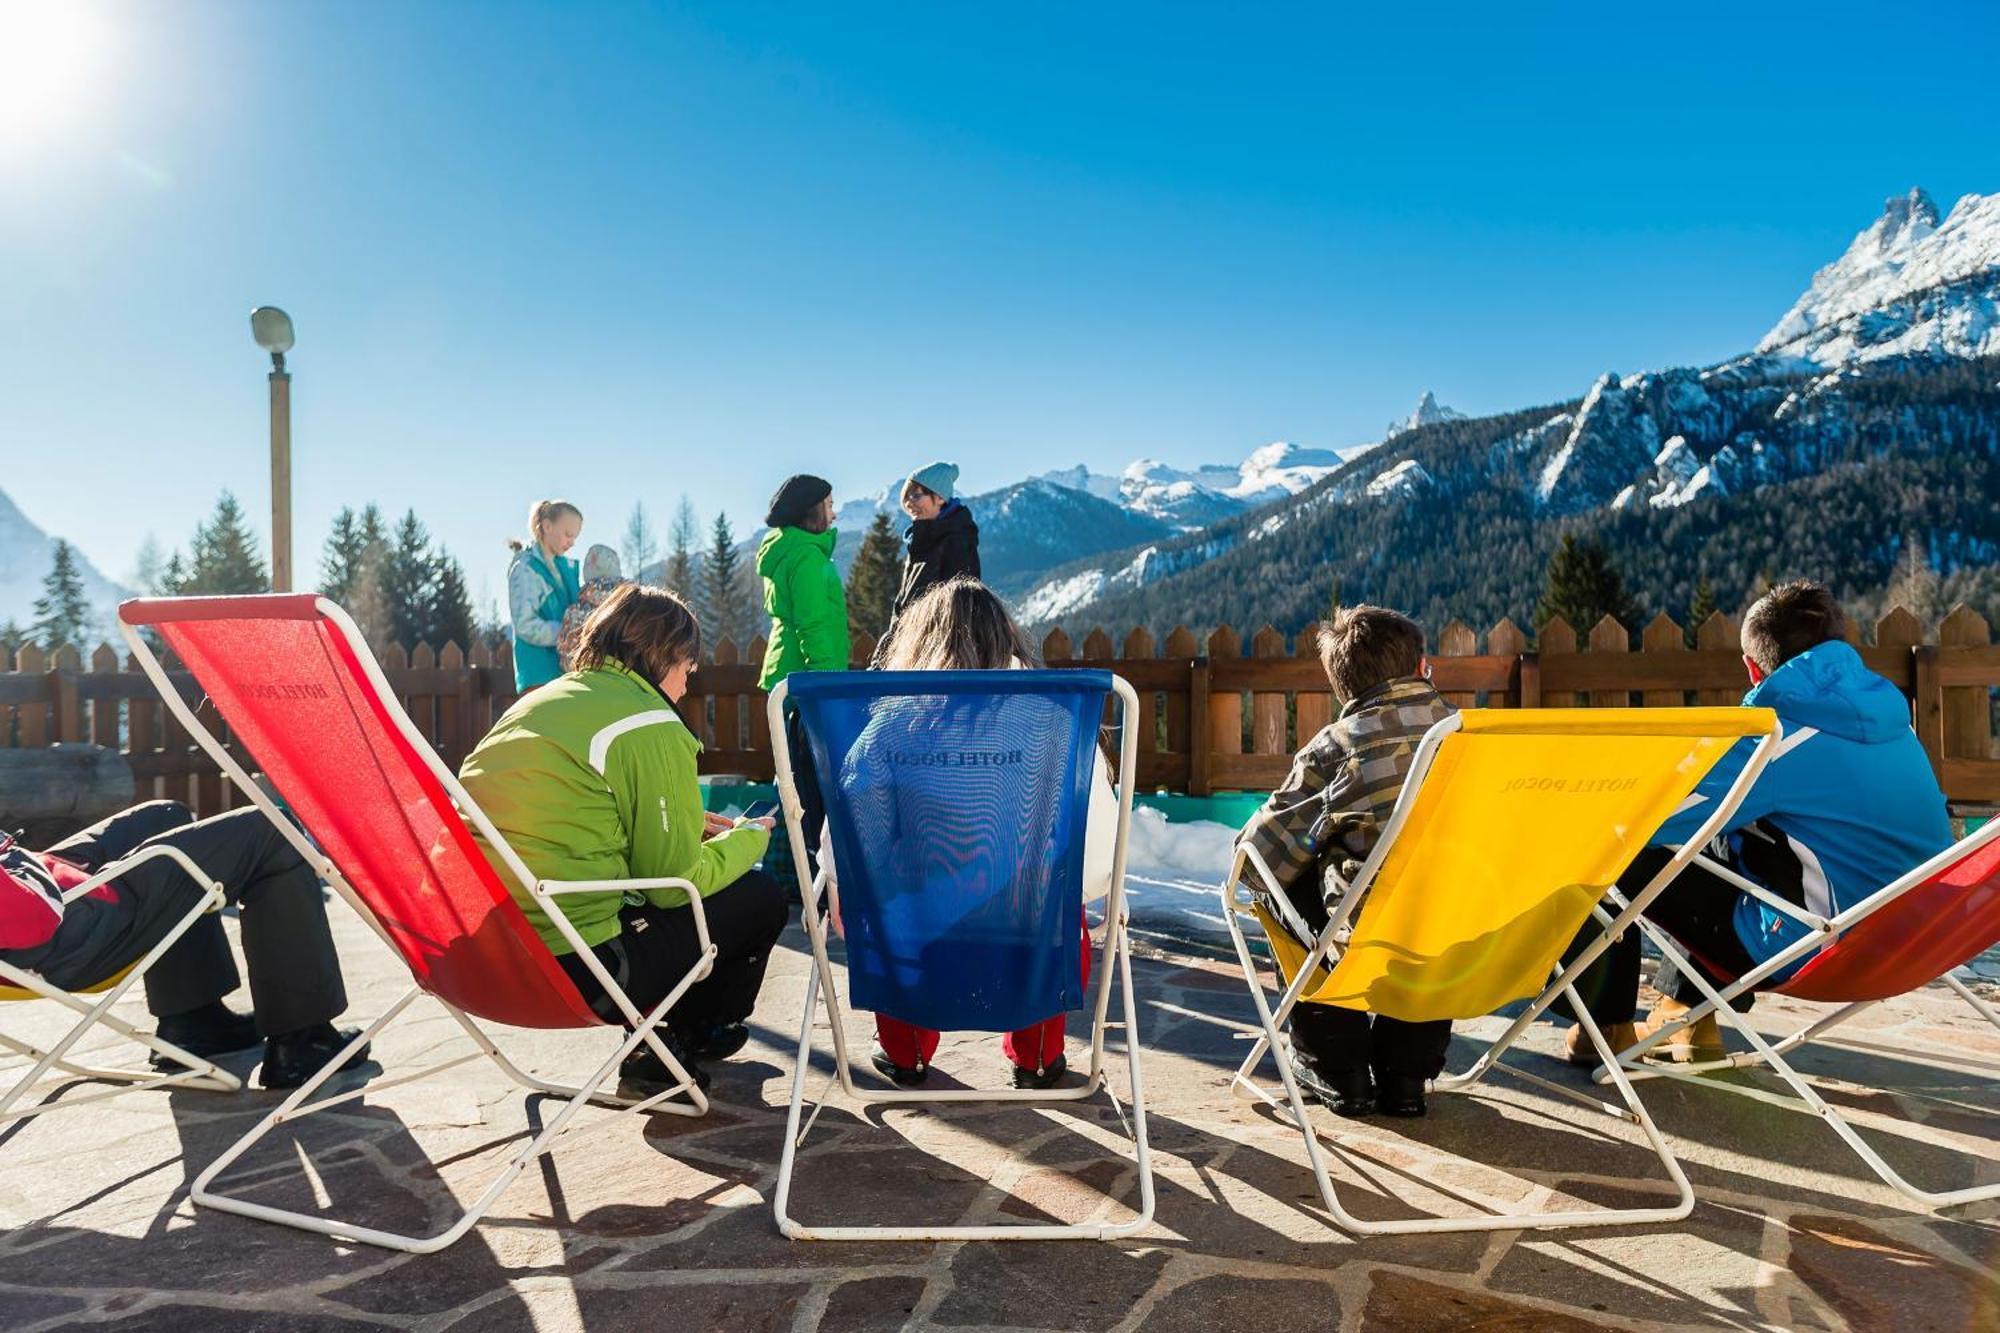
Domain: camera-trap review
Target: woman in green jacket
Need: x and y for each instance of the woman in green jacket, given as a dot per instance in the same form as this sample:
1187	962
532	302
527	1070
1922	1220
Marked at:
593	777
808	610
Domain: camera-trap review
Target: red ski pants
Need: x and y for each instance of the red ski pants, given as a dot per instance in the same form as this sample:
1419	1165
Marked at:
1032	1048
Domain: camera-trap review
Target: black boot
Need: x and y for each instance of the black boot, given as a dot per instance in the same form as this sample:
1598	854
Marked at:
1344	1092
1042	1078
717	1041
903	1076
293	1057
1399	1095
212	1030
644	1074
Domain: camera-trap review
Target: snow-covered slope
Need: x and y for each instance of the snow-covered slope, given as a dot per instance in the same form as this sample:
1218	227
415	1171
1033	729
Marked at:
1912	296
1909	285
26	554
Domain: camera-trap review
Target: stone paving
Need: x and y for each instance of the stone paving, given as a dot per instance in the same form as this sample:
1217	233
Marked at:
666	1223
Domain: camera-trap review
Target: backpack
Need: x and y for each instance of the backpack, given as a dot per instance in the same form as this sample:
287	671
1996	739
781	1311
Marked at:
31	902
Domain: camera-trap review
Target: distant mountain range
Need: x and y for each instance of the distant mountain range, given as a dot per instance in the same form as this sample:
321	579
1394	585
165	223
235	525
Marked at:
1866	421
26	555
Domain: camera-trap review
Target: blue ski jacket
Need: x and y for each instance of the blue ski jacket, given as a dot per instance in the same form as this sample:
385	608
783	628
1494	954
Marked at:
1849	792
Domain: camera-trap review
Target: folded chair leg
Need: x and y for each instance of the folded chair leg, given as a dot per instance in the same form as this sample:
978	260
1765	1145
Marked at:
296	1107
1768	1056
819	989
195	1072
1979	1006
1633	1110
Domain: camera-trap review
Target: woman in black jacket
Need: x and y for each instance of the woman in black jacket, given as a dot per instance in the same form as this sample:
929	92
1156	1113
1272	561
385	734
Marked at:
943	541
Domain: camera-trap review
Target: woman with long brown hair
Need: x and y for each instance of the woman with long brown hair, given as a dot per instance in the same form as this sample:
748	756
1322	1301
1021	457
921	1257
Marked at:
960	625
592	777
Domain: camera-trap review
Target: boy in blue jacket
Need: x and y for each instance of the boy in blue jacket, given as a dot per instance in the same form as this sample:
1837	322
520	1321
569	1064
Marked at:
1847	804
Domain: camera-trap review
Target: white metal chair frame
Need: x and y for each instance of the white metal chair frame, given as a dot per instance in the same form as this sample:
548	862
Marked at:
543	892
1114	953
1822	931
95	1009
1331	941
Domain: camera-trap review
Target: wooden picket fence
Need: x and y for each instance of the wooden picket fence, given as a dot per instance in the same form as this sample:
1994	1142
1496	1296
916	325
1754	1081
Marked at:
1216	713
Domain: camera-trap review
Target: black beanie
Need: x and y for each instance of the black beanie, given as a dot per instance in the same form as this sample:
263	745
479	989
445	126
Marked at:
796	498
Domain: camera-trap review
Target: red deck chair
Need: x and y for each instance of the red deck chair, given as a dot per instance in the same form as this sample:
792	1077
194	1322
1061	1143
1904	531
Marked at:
307	705
1904	936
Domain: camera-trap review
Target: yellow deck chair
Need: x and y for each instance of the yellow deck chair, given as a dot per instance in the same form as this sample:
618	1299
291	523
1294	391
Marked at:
1511	827
18	987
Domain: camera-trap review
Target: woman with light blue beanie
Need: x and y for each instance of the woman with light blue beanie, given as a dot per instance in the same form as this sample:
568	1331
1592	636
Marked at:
943	541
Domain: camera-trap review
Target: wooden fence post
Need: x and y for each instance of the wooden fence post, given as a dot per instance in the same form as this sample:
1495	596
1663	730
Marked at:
1556	640
1608	636
1458	639
103	708
1267	707
63	669
142	739
1967	715
1138	647
1181	647
1225	707
1055	648
33	719
1506	640
1313	708
1718	634
1662	636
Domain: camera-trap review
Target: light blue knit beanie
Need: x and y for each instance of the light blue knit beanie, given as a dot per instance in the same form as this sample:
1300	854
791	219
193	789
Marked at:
937	478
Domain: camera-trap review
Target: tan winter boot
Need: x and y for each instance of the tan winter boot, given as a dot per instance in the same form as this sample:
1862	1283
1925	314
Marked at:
1580	1051
1698	1043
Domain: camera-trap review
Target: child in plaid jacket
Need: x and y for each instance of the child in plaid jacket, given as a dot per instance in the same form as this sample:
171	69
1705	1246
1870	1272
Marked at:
1318	827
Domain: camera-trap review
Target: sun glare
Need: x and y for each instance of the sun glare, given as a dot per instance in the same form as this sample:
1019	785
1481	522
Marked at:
47	51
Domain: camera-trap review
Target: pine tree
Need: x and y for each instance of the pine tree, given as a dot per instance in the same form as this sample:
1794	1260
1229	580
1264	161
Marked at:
1699	610
354	540
638	547
174	575
872	580
12	636
722	610
367	601
62	612
682	561
410	584
1915	586
148	566
223	558
1583	587
453	620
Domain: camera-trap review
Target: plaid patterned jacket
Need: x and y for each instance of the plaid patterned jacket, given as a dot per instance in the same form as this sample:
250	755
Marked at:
1342	786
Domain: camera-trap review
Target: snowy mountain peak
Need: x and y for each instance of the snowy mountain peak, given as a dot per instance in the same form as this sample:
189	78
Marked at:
1908	285
1428	413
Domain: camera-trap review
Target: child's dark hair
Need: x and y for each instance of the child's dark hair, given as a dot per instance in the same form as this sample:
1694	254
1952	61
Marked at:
647	629
1789	619
1362	646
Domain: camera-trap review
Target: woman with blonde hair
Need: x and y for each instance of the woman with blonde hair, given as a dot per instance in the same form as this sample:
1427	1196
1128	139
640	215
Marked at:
542	584
960	625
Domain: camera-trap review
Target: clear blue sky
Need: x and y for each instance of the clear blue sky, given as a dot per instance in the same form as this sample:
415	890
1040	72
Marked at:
630	251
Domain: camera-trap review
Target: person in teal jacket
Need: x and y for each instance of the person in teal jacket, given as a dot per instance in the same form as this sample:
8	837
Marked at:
542	584
808	610
593	777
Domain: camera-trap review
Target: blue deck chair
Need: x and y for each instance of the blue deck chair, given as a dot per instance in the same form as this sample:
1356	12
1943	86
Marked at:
955	805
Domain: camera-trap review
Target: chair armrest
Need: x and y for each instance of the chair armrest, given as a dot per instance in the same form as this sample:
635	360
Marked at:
552	888
153	852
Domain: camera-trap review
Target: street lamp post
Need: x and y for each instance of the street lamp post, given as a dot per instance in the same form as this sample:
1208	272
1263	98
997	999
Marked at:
272	328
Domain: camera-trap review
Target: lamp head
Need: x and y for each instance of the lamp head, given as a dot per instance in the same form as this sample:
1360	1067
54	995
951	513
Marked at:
272	328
